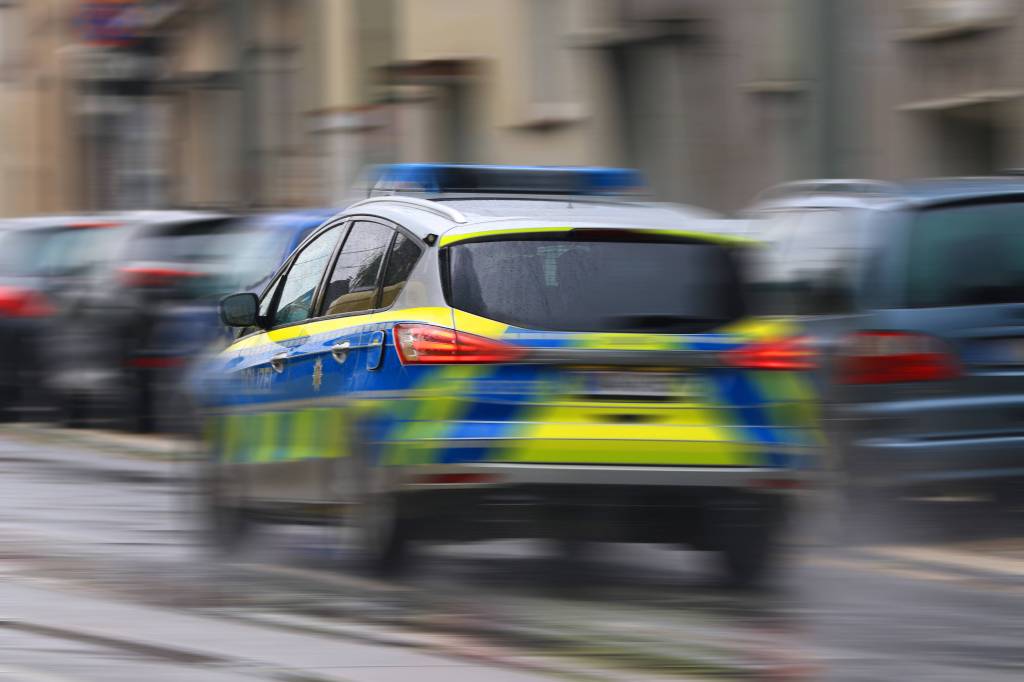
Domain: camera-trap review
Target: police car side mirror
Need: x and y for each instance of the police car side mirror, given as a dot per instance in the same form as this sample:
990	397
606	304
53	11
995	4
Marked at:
239	310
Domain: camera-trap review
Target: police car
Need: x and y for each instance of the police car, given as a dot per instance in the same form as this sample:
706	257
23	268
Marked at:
480	352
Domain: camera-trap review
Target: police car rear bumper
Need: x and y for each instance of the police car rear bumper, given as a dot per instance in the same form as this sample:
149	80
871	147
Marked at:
605	504
498	474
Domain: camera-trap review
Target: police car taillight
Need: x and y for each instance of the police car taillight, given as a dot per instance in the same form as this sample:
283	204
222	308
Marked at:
792	353
425	344
889	357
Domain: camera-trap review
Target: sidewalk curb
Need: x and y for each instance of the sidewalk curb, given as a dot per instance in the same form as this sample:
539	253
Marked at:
446	643
632	658
155	446
952	565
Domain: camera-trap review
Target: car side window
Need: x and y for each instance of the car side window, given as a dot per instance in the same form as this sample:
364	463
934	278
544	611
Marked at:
405	253
298	287
352	286
268	299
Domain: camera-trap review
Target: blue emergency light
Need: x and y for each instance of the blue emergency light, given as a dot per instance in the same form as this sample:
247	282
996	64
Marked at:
453	178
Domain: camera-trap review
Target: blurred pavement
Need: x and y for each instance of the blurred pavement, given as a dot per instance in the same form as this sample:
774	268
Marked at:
104	580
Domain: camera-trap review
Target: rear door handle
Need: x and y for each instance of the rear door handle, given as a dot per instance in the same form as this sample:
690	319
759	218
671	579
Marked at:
277	362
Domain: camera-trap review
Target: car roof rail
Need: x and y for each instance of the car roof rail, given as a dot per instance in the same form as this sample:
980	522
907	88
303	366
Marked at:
852	186
413	202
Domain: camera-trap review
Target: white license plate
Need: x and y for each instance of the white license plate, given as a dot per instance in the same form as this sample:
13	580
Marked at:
1004	352
612	384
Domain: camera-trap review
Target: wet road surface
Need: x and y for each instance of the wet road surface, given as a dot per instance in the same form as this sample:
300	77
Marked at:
104	580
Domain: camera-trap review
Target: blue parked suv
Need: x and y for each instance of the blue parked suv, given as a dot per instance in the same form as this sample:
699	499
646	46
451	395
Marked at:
915	296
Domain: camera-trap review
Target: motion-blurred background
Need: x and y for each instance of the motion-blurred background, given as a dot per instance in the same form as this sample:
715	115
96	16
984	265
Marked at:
158	154
267	103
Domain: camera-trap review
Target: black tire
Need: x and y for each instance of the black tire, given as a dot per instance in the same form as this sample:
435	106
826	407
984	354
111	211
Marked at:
225	524
139	411
745	530
9	406
383	533
748	556
73	411
1008	503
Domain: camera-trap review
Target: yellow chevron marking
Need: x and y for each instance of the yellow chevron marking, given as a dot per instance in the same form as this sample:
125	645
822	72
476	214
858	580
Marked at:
482	234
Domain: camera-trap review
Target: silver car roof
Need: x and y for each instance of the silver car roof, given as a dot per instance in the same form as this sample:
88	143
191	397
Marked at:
467	215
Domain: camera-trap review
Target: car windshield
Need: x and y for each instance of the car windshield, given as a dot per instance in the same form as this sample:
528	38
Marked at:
967	255
19	252
597	285
251	255
55	251
185	242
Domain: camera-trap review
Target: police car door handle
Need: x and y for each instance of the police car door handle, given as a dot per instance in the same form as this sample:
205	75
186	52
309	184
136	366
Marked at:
277	362
339	351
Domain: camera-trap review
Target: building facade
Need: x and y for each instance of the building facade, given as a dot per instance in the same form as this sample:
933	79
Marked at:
265	103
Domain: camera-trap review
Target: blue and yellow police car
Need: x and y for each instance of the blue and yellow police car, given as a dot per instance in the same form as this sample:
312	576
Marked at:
479	352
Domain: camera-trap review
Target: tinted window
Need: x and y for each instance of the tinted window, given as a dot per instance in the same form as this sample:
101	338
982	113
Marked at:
808	267
670	287
967	255
299	287
353	283
77	249
404	255
188	241
55	251
252	255
20	251
268	300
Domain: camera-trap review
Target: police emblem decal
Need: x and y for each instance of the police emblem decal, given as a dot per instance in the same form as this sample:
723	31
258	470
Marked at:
318	374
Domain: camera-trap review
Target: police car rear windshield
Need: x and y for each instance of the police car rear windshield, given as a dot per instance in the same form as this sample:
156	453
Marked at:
592	285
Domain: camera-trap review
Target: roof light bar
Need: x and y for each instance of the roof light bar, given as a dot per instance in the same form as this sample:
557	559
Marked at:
441	178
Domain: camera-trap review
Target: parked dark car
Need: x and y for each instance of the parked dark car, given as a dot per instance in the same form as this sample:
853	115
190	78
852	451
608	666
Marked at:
150	308
42	259
915	296
111	353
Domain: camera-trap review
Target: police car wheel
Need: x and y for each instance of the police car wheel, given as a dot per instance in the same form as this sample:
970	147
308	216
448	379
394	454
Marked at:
745	530
748	556
226	523
382	533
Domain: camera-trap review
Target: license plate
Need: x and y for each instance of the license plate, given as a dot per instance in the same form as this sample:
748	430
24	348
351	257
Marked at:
1002	352
640	385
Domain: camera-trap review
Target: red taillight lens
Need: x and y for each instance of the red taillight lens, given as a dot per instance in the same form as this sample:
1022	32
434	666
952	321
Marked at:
154	277
23	303
144	362
91	224
424	344
792	354
883	357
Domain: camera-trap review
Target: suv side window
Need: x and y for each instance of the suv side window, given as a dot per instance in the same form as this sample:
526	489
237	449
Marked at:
352	286
295	301
405	253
